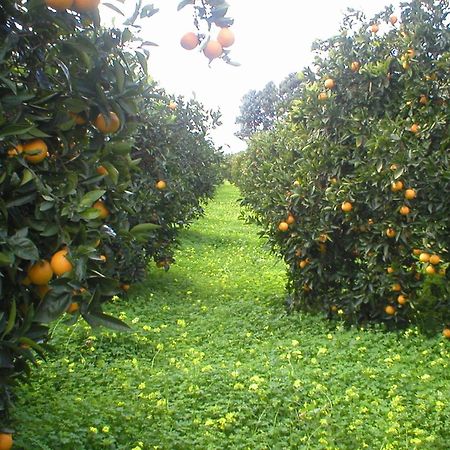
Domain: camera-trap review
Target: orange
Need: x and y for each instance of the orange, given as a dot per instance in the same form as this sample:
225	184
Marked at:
35	151
104	211
414	128
14	151
329	83
125	287
390	310
78	118
42	290
404	210
189	41
401	299
172	106
322	96
225	37
303	264
435	259
6	441
213	50
290	219
161	185
283	226
430	270
103	258
446	333
390	270
40	273
396	186
60	264
393	167
417	251
85	5
393	20
423	100
323	238
346	207
101	170
391	233
396	287
355	66
374	28
73	307
107	125
59	5
424	257
410	53
410	194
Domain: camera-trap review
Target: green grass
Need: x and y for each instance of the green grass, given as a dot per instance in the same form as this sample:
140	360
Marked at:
215	363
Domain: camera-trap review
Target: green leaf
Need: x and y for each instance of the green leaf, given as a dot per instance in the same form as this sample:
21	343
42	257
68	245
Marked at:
144	228
11	319
54	304
6	259
98	319
23	248
91	197
184	3
114	8
27	176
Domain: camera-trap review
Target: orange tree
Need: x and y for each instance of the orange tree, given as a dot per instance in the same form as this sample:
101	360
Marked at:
71	97
352	190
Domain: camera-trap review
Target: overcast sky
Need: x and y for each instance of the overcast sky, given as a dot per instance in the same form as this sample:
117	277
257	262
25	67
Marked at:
273	39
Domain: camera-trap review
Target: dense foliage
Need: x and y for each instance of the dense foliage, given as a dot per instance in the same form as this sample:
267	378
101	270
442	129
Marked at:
86	186
352	189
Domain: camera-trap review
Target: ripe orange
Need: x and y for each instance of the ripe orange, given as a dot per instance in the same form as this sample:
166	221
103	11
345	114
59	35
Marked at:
172	106
104	211
355	66
417	251
393	20
404	210
6	441
40	273
446	333
430	270
410	194
107	125
329	83
303	264
423	100
14	151
103	258
125	287
374	28
346	207
393	167
414	128
225	37
396	287
322	96
323	238
59	5
424	257
59	263
391	233
85	5
401	299
213	50
73	307
435	259
283	226
35	151
396	186
161	185
42	290
410	53
390	310
290	219
189	41
101	170
390	270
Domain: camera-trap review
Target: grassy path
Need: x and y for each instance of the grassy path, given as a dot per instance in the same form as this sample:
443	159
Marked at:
215	363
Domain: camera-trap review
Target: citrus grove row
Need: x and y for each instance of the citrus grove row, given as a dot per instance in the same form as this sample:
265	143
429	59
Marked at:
352	185
99	169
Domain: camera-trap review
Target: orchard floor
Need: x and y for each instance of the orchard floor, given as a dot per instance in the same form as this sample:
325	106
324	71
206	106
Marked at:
214	362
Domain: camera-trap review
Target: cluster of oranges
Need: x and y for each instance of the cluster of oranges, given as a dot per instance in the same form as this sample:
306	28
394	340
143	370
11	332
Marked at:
214	48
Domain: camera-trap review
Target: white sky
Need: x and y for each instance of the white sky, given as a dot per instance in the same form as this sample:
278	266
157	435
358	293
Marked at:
273	39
